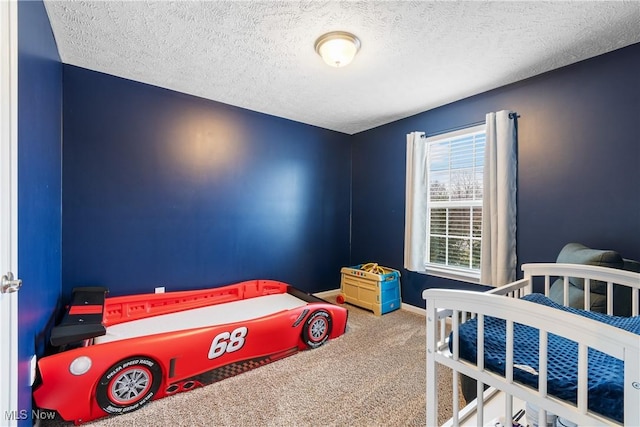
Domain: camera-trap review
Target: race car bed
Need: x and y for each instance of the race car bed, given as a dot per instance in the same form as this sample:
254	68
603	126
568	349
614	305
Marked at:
578	366
117	354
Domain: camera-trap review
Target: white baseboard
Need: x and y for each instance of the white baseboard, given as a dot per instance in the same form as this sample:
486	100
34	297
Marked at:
406	307
413	309
326	294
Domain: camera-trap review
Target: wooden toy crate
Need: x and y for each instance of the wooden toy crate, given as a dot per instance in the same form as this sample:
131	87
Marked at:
377	291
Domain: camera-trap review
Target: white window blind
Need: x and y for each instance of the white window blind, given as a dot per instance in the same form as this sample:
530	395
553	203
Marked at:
455	164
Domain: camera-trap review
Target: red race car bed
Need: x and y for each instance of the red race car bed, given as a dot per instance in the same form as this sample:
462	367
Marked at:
119	353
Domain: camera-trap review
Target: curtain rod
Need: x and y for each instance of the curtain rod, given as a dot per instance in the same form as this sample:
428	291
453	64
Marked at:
440	132
513	116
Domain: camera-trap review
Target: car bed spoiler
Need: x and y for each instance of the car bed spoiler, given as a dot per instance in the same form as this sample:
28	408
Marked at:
83	319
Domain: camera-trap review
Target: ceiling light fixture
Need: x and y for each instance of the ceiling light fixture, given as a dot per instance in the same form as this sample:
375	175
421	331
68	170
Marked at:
337	48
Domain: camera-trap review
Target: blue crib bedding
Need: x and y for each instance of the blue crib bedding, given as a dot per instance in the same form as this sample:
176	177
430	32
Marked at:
606	373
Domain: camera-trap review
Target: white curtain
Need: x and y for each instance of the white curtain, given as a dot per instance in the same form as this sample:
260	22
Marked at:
416	206
498	260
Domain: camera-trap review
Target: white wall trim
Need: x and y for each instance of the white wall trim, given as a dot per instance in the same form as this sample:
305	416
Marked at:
406	307
413	309
327	294
9	193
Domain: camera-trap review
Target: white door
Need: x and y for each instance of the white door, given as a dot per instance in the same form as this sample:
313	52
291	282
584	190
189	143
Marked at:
9	411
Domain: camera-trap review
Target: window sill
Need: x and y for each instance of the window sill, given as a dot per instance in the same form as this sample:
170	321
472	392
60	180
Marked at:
459	275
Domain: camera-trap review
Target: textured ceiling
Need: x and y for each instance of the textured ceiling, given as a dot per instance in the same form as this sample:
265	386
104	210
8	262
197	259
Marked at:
259	55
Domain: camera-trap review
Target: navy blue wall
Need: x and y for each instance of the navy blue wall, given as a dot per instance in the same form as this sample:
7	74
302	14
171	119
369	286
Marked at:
163	188
39	186
579	166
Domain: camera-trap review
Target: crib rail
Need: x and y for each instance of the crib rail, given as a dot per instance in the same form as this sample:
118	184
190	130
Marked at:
454	307
590	274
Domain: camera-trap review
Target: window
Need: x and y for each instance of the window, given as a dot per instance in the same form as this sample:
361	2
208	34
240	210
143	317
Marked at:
455	163
447	178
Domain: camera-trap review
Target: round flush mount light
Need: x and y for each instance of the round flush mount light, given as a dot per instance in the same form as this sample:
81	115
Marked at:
337	48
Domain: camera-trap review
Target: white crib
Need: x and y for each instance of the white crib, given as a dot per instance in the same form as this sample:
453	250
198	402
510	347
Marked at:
449	309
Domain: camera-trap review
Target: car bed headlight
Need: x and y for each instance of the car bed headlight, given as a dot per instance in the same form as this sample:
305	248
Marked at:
80	365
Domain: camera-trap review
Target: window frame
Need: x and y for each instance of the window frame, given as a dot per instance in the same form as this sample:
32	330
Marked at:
441	270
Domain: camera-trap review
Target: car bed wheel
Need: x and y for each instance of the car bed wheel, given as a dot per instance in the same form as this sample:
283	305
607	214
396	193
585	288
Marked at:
128	385
317	328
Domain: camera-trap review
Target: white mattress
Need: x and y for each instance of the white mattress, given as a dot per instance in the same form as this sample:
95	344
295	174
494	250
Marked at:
230	312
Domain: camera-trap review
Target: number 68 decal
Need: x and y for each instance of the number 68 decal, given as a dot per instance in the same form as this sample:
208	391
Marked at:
227	342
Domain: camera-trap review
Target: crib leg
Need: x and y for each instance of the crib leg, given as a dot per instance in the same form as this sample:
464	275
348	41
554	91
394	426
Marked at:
432	366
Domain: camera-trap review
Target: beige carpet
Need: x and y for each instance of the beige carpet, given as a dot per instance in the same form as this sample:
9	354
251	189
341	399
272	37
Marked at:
374	375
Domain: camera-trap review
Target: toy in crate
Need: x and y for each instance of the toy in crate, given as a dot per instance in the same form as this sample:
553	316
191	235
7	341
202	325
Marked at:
370	286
